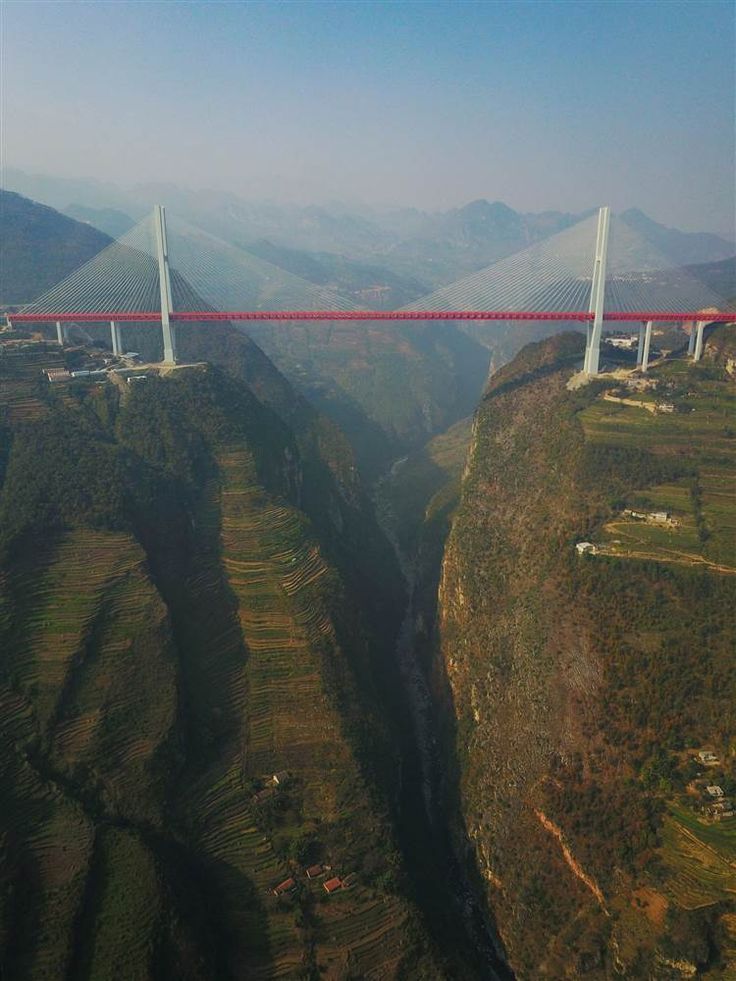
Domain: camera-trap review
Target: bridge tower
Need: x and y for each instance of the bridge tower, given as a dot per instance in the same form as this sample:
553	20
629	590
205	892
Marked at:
597	294
640	345
691	340
164	279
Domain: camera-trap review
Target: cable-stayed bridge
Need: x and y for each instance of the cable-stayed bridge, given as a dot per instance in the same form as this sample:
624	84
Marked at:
600	269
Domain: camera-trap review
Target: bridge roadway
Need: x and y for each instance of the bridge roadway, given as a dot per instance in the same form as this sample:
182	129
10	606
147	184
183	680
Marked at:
203	316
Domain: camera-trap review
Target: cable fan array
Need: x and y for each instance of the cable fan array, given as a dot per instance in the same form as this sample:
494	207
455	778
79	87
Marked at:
209	274
206	274
123	277
229	278
556	274
641	277
551	275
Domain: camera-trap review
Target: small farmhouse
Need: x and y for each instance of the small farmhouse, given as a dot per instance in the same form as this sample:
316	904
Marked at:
583	547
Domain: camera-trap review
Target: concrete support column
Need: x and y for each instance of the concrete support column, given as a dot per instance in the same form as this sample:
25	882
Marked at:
117	347
60	334
691	340
647	344
640	345
698	353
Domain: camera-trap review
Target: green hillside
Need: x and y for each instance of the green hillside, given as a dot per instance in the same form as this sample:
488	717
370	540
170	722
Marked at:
176	630
39	246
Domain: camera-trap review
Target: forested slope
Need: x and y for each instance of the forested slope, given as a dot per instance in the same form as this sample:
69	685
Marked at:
39	246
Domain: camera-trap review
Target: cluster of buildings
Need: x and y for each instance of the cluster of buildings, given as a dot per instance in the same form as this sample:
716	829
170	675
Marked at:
718	805
625	342
715	802
334	884
98	370
664	519
652	517
372	293
273	783
586	548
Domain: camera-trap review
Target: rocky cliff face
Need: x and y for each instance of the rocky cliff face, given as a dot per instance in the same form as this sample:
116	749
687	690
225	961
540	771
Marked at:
579	687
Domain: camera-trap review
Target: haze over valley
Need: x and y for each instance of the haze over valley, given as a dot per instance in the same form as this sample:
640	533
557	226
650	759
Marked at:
367	513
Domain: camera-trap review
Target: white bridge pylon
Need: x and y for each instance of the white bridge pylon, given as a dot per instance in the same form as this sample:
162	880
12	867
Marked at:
164	283
597	294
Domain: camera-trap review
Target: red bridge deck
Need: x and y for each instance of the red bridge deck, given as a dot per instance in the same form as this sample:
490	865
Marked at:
126	316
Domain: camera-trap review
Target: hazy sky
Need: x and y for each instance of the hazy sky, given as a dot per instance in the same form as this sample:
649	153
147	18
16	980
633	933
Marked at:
559	105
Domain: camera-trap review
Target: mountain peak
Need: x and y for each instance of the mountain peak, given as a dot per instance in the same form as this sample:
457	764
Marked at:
495	209
683	248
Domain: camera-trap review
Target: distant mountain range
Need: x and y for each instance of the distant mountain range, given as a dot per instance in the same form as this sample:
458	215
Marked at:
407	250
719	276
109	220
683	248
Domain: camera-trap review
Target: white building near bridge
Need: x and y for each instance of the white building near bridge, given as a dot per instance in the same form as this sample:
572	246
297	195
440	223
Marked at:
586	547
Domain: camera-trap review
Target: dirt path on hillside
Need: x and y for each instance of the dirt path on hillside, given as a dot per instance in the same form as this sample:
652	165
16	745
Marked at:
664	554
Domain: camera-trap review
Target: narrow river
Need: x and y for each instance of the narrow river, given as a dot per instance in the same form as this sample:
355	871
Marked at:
475	924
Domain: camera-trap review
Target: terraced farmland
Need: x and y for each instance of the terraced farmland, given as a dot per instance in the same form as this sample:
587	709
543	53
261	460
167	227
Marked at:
86	680
268	682
49	841
89	646
700	859
130	906
21	381
180	725
702	439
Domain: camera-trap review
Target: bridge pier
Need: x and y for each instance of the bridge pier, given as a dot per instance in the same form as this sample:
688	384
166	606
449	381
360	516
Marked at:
597	295
60	334
640	345
647	345
698	352
116	337
691	340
